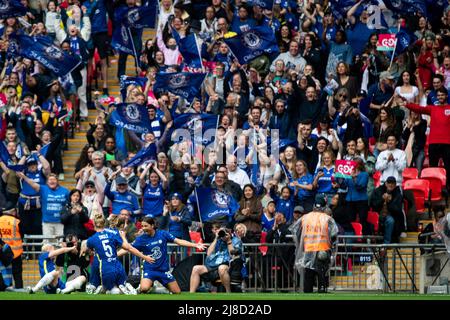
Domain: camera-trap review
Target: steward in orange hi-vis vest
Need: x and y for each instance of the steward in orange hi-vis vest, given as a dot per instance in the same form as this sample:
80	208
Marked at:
9	229
313	235
10	234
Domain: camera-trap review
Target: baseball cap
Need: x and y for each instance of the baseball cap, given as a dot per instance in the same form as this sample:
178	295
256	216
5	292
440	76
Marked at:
299	209
391	179
320	201
31	160
121	180
385	75
176	195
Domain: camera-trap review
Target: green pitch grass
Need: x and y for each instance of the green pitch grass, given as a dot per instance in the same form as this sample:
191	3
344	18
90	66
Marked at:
222	296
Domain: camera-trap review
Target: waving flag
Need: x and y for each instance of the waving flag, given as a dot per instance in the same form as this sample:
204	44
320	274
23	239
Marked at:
184	84
46	53
6	159
194	122
143	155
406	6
126	81
131	116
122	40
44	149
214	204
11	8
189	49
404	40
253	43
138	17
265	4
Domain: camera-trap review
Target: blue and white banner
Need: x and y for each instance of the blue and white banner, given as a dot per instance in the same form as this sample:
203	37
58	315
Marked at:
11	8
194	122
43	50
184	84
131	116
189	49
253	43
403	7
404	40
265	4
126	81
138	17
122	40
148	153
214	204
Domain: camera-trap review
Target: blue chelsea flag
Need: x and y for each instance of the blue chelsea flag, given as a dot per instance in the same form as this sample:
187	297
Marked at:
143	155
131	116
253	43
138	17
189	49
214	204
11	9
43	50
126	81
184	84
122	40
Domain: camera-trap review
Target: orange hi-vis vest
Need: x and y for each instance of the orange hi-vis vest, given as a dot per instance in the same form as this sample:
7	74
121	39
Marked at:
315	232
9	229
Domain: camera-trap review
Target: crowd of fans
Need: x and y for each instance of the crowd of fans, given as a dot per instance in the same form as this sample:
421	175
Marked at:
311	92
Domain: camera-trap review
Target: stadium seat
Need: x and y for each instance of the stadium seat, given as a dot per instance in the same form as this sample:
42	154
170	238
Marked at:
263	249
373	218
357	227
376	178
438	181
421	191
409	173
196	237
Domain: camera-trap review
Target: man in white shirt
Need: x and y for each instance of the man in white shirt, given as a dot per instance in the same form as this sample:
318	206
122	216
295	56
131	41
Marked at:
391	162
235	173
292	59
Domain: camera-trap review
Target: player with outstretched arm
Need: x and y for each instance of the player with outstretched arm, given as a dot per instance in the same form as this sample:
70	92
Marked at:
154	244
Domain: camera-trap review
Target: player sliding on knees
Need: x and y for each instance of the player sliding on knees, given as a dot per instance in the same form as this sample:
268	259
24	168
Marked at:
154	243
104	242
50	275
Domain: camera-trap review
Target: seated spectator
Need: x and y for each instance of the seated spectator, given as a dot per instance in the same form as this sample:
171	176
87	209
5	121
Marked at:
387	200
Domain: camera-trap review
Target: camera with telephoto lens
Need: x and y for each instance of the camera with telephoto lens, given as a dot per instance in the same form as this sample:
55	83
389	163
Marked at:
222	233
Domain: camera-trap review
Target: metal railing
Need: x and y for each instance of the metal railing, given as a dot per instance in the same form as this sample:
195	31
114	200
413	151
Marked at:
357	265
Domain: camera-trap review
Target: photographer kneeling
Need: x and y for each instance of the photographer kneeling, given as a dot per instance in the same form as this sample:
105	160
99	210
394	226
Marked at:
217	263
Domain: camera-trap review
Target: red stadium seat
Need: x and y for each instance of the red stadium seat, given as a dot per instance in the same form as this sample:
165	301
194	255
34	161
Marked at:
409	173
196	237
263	249
421	191
376	178
373	218
438	181
357	227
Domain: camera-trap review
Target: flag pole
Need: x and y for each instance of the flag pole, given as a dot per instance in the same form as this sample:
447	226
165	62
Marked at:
395	48
134	51
199	213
